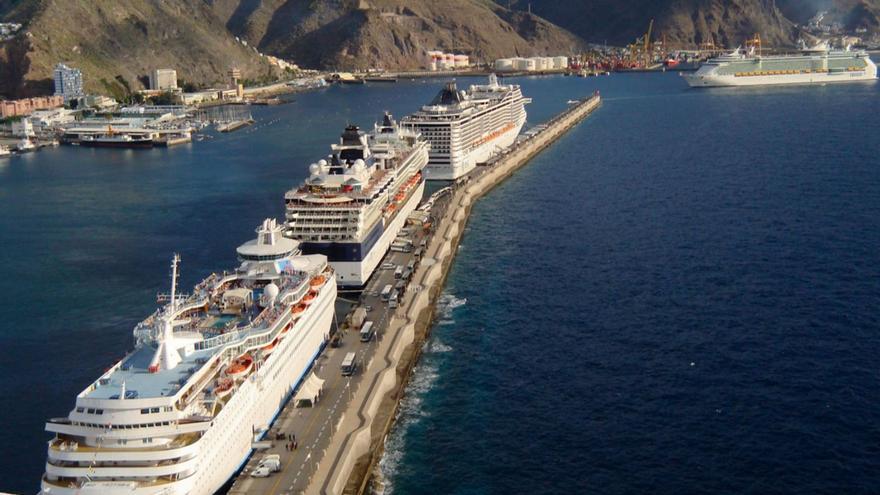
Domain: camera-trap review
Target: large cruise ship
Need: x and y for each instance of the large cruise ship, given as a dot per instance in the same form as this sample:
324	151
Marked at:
468	127
354	203
208	374
816	65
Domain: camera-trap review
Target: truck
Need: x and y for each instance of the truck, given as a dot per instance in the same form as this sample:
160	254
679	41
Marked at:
398	273
386	292
402	246
392	301
358	317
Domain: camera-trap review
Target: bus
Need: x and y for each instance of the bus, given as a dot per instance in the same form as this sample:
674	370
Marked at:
349	366
367	332
386	292
392	302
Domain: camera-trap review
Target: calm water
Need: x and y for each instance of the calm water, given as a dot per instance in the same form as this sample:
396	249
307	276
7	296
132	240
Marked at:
679	296
86	238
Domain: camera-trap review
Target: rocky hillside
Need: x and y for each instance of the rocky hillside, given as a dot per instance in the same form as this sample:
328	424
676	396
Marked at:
118	42
851	14
724	22
389	33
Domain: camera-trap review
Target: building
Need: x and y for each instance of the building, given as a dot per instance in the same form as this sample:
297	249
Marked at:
26	106
163	79
43	121
100	102
68	82
23	128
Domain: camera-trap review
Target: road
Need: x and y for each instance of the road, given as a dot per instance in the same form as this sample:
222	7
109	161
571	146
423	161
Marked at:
313	427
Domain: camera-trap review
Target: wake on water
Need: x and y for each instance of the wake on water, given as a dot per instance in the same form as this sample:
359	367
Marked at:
411	412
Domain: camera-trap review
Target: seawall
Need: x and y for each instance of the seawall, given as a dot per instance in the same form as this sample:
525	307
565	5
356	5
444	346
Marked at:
350	460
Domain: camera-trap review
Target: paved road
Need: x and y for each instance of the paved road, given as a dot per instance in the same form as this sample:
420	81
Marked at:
313	427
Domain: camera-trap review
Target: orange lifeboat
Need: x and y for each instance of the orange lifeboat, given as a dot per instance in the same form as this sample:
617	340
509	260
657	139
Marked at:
267	349
317	281
286	328
309	297
223	387
298	309
240	366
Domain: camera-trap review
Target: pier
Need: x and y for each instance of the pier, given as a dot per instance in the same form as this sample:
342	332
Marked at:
341	439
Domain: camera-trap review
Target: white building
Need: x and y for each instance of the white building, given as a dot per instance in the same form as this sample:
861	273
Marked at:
68	82
45	120
23	128
163	79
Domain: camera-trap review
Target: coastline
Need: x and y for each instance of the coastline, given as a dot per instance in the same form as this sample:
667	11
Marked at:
350	460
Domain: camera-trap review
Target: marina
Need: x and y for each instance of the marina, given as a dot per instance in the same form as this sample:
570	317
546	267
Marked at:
313	426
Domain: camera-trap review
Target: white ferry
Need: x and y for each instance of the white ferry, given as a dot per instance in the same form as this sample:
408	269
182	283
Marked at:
208	374
354	203
468	127
4	151
817	65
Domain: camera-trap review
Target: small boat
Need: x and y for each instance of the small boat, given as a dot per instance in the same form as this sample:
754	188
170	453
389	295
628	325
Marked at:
25	145
4	151
223	387
267	349
241	366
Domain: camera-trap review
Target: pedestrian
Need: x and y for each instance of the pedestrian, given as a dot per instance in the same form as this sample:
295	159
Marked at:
294	445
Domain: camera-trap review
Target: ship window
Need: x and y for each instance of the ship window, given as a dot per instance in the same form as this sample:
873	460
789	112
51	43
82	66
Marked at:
90	411
154	410
148	440
145	411
80	409
99	411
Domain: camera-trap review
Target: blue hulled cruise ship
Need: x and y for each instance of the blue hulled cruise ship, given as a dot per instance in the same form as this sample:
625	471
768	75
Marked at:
354	202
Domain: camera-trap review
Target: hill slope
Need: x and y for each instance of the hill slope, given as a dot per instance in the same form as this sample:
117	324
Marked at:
118	42
389	33
725	22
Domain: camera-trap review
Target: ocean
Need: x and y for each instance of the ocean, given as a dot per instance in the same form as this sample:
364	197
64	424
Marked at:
678	296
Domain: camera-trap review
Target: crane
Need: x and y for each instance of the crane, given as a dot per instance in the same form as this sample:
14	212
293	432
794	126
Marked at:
648	44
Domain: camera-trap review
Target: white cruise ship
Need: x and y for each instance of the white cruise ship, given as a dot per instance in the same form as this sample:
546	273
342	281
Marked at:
208	374
816	65
354	203
468	127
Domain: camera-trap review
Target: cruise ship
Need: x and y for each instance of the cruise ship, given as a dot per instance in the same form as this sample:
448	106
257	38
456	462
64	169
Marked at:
354	202
468	127
208	374
816	65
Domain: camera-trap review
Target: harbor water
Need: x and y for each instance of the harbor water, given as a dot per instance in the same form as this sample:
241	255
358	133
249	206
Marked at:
679	296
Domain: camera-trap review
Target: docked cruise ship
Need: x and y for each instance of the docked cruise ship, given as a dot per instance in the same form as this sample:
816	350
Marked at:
209	372
468	127
354	203
816	65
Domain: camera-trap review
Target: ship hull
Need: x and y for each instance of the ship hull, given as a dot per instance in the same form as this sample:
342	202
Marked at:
117	144
225	447
480	154
354	263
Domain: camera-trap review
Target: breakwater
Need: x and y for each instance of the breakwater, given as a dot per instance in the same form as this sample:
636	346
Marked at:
357	446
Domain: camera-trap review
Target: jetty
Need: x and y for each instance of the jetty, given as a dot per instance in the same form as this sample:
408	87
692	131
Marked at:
340	440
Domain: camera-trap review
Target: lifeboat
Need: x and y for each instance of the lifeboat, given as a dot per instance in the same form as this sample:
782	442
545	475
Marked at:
267	349
317	281
286	328
240	366
309	297
223	387
298	309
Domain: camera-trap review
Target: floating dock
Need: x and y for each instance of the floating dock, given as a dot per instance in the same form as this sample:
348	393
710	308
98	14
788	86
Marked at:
342	438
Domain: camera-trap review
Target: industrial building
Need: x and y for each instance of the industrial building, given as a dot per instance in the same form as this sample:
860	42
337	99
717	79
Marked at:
163	79
531	64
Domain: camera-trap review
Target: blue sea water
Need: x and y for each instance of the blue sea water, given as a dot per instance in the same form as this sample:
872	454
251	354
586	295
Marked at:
678	297
86	238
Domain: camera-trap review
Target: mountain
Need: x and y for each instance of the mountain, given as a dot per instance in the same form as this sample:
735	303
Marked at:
393	34
117	43
724	22
851	14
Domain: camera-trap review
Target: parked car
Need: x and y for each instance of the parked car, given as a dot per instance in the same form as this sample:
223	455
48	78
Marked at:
261	472
388	265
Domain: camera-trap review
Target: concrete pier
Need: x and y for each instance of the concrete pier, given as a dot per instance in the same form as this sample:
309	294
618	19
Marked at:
357	446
